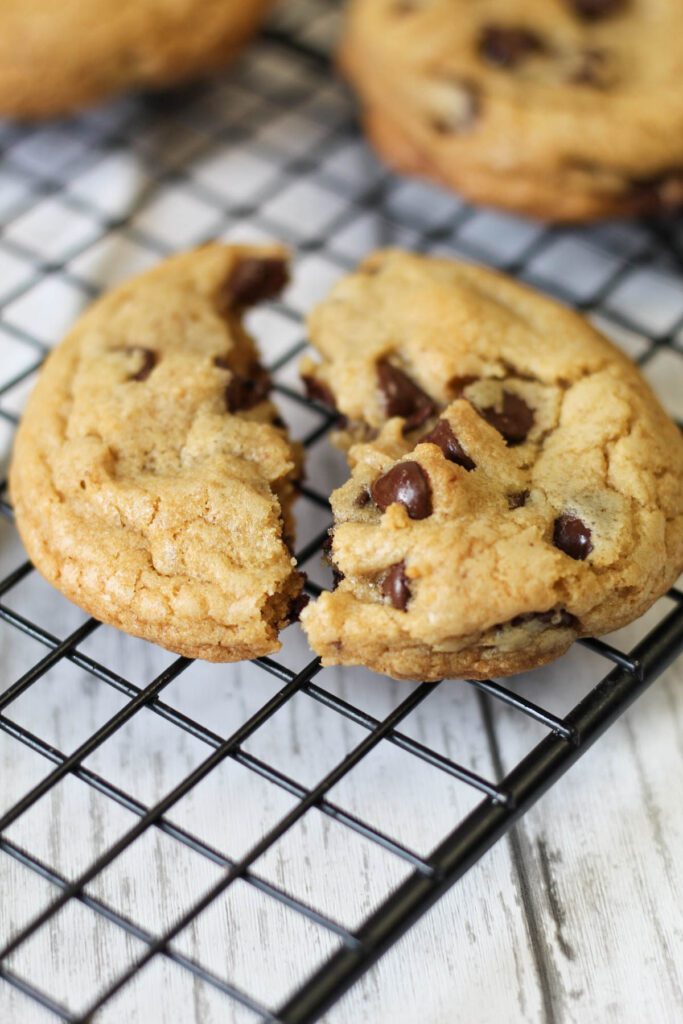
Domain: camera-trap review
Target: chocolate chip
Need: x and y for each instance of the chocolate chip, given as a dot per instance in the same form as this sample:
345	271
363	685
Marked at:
362	498
296	607
149	361
337	576
407	484
318	391
659	192
518	500
395	586
246	392
593	69
572	536
457	385
443	436
402	396
222	362
594	10
253	280
506	46
514	421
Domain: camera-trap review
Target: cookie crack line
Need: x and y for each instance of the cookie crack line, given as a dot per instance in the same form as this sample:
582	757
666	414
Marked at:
169	477
438	571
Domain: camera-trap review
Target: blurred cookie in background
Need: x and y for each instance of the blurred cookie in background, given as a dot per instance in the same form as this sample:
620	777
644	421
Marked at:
57	57
566	110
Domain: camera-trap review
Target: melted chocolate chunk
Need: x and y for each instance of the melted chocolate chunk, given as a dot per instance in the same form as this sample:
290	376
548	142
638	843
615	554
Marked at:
395	586
594	10
507	46
318	391
514	421
362	498
402	396
443	436
222	362
296	608
518	500
337	576
149	361
253	280
245	392
660	192
407	484
457	385
572	536
593	69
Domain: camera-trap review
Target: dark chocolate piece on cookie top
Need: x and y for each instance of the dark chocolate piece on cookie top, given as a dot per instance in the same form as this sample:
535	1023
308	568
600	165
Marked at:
318	391
443	436
595	10
396	587
514	420
457	385
244	392
405	484
296	607
149	361
518	499
402	396
253	280
507	46
571	535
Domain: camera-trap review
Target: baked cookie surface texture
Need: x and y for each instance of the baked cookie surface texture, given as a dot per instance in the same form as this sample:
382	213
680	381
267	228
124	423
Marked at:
57	56
515	483
567	110
151	476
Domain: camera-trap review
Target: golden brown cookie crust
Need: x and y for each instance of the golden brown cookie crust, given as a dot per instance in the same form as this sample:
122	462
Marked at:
547	506
151	477
56	57
584	122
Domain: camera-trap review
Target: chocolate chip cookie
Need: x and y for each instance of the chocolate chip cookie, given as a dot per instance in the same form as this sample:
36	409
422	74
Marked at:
568	110
57	56
515	484
152	478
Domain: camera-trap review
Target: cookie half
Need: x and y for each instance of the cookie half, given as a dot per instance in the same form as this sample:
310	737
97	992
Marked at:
56	57
152	478
568	110
515	483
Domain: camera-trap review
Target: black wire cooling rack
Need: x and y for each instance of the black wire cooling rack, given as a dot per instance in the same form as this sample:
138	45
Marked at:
285	76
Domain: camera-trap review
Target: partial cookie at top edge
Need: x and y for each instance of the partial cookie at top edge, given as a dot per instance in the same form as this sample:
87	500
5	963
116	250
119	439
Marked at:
88	50
542	110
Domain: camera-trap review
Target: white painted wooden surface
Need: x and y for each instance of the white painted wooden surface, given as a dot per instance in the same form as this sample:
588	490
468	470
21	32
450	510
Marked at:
577	916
